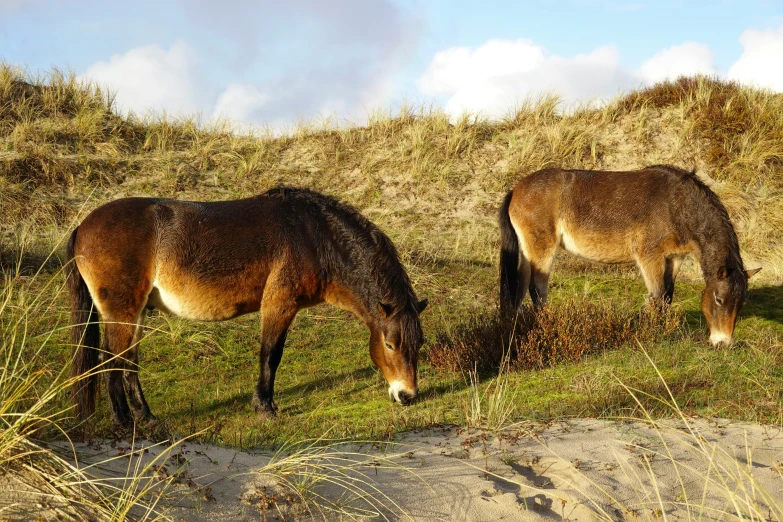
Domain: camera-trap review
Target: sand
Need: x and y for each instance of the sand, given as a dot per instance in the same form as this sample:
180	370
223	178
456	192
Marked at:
576	469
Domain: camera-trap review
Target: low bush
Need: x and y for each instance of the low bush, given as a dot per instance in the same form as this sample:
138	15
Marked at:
554	334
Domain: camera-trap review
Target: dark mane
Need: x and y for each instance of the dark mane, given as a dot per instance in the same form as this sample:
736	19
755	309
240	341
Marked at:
705	194
352	251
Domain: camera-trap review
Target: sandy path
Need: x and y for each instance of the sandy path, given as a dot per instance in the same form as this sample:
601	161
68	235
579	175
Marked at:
571	469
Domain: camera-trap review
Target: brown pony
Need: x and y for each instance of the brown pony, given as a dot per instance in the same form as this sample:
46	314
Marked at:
278	252
654	217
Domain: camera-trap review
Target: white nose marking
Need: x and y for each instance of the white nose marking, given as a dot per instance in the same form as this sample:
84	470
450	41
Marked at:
719	337
394	390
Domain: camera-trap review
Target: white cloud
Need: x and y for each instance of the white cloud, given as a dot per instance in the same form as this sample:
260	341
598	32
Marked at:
453	68
499	74
151	78
311	59
678	60
760	62
240	103
494	77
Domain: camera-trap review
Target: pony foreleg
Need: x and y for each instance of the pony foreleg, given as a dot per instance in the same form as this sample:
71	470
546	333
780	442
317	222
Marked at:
274	329
653	270
141	410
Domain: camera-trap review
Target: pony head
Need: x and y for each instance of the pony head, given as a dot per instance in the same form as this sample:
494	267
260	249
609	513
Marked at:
721	300
394	348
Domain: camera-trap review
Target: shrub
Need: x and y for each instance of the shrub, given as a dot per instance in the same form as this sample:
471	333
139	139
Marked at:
554	334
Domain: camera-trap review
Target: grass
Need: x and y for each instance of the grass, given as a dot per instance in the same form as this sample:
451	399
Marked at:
679	469
733	481
334	481
37	479
199	377
491	407
433	184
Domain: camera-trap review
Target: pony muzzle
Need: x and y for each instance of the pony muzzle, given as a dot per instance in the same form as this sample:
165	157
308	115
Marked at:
399	392
717	338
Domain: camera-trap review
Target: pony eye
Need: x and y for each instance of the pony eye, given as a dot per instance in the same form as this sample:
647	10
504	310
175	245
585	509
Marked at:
718	300
389	346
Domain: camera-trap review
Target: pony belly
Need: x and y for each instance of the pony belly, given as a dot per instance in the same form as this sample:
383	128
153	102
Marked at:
594	248
200	304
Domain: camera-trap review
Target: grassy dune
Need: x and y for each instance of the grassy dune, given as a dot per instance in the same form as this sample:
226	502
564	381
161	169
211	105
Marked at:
434	185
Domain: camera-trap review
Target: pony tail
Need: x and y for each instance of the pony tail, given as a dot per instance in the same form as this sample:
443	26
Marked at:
85	336
509	261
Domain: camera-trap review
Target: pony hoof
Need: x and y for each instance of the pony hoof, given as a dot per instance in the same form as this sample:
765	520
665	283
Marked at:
147	418
265	409
123	421
266	415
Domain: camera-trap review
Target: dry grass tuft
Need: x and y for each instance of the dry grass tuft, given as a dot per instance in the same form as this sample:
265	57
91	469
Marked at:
575	329
477	344
740	128
333	481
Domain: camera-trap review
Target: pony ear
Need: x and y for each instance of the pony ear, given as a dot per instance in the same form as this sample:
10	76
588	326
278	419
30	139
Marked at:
385	310
421	305
751	273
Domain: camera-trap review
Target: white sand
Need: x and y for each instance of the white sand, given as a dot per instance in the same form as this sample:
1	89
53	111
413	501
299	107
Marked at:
578	469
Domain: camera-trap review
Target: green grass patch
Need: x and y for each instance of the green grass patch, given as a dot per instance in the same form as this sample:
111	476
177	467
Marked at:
199	377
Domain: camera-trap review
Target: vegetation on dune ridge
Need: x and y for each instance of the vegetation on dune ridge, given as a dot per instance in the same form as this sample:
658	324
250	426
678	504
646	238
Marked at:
432	181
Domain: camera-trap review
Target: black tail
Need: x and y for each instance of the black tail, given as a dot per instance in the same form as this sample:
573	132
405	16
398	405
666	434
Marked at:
85	335
509	261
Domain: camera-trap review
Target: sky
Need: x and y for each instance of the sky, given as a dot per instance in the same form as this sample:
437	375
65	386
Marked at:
275	63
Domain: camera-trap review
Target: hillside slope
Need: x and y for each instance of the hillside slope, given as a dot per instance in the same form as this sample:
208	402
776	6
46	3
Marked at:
431	183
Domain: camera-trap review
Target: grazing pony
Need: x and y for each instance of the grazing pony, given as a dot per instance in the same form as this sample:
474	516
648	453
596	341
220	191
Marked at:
278	252
654	217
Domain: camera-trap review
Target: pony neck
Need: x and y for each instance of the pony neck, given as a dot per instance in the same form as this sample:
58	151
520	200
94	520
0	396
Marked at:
718	248
369	280
342	295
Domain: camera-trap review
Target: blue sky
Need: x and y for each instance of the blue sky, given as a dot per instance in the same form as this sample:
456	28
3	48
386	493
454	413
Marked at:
273	63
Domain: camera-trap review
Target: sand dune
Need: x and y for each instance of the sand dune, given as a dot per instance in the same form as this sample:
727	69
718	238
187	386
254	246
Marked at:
575	469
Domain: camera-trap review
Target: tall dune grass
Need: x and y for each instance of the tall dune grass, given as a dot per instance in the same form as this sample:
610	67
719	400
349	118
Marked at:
448	173
39	482
335	480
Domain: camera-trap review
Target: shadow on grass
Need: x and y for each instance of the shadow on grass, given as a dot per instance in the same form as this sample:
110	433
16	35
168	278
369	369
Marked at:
765	302
433	392
426	260
694	321
242	399
29	262
329	381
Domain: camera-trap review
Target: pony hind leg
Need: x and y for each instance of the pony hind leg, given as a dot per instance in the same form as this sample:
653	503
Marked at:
540	269
130	376
276	317
538	241
525	273
117	341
